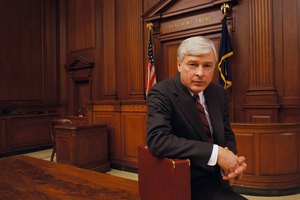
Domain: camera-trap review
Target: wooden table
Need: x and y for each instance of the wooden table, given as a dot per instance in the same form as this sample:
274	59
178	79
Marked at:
28	178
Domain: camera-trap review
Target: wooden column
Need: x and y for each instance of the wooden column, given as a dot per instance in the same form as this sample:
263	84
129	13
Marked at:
261	99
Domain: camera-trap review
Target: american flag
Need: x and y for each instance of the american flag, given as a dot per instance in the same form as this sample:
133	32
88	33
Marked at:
150	71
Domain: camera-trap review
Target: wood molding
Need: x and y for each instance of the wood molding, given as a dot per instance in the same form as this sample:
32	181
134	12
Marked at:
170	8
134	108
79	63
110	108
266	147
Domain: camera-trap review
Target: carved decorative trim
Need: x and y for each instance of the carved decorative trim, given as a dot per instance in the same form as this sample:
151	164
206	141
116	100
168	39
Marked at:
199	20
122	108
134	108
79	62
110	108
152	12
157	11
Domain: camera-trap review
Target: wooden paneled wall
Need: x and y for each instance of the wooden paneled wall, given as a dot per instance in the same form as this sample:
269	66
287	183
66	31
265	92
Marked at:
29	73
127	127
22	132
89	56
266	147
28	56
267	64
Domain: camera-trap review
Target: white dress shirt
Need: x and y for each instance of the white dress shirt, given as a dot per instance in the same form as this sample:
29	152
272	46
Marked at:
214	155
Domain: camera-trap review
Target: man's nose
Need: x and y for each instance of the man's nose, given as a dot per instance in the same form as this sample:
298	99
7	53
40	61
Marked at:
199	70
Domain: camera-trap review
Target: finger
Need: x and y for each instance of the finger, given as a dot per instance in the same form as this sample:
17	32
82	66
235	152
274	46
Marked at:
226	178
244	165
232	175
241	159
240	169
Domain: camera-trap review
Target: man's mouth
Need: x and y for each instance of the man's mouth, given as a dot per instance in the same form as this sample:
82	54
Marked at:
199	82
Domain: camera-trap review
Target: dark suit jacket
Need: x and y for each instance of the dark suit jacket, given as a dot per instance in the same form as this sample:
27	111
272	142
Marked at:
174	127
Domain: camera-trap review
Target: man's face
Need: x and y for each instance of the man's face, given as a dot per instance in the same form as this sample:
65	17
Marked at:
196	72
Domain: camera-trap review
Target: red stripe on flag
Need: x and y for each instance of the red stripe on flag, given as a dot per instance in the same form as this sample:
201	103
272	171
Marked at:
150	71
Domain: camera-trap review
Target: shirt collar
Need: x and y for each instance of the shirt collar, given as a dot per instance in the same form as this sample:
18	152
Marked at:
201	95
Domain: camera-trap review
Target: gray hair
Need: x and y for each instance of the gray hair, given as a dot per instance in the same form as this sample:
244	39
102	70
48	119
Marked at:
195	46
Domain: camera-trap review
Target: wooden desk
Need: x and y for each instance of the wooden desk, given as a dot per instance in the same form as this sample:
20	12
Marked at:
83	145
27	178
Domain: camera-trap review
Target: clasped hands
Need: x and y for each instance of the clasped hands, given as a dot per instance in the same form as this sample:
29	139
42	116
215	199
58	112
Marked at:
232	165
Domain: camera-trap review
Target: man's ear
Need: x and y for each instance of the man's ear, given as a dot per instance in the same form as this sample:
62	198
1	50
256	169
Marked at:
178	66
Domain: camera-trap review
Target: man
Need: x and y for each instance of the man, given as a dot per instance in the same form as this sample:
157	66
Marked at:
176	128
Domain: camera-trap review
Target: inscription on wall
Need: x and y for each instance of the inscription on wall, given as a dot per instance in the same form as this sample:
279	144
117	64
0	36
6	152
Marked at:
192	21
200	20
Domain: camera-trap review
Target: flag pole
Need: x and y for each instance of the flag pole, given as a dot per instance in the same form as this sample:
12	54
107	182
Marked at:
149	26
224	8
150	68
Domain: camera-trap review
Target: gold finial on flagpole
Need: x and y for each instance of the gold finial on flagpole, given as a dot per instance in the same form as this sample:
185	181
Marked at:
224	8
149	26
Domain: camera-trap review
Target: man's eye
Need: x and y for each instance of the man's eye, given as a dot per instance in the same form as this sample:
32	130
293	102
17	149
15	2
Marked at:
207	65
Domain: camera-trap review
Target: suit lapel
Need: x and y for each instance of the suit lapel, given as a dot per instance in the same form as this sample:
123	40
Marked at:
215	116
183	97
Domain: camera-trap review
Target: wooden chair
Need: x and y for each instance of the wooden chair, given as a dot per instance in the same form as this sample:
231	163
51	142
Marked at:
54	123
162	178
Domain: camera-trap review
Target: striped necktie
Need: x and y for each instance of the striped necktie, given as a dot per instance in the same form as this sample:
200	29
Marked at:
203	117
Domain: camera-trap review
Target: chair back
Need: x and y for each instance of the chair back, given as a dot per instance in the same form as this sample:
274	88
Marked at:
57	122
162	178
54	123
